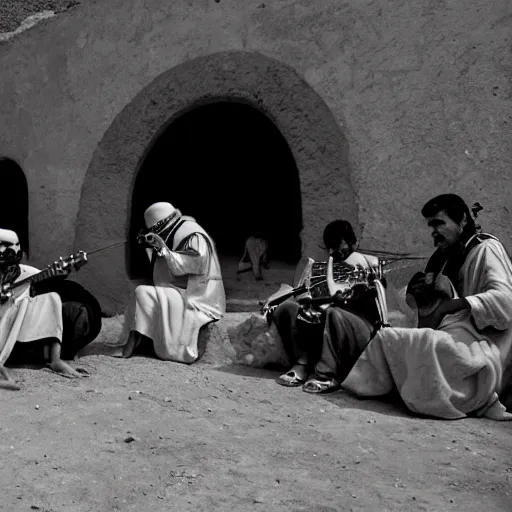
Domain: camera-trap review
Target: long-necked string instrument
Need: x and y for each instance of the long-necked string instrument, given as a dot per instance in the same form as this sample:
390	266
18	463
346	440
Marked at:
60	267
325	282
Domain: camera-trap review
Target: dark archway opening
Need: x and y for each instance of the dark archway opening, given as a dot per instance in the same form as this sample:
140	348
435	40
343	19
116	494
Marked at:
227	165
15	201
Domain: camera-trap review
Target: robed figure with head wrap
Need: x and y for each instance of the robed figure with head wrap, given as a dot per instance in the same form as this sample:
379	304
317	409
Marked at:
51	319
187	290
458	361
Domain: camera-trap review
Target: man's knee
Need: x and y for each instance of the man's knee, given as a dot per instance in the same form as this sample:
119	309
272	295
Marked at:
76	314
334	313
285	312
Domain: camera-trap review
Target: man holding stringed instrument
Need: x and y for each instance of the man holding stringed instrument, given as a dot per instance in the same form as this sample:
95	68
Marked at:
42	314
457	362
325	330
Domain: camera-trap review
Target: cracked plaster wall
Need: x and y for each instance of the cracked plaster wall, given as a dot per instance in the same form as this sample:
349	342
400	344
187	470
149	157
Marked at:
420	90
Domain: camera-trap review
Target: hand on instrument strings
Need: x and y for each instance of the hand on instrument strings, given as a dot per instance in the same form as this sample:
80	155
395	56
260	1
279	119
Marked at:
354	293
420	284
155	241
59	268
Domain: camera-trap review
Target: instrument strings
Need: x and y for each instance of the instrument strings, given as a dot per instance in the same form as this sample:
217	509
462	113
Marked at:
110	246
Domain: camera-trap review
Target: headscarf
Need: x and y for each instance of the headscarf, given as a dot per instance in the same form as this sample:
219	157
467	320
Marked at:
161	218
10	256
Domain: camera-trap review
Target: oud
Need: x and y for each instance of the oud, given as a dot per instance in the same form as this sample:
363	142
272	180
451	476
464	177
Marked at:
427	300
62	267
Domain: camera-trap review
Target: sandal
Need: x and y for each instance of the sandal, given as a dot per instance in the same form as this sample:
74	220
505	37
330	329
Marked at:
316	386
291	379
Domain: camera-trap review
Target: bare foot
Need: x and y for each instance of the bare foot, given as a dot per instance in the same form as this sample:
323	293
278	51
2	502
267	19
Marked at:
65	370
128	350
134	340
7	383
498	412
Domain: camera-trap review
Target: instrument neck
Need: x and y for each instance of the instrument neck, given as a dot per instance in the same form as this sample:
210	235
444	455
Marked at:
35	278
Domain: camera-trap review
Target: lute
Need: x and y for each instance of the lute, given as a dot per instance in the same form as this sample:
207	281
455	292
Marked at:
323	282
61	267
427	301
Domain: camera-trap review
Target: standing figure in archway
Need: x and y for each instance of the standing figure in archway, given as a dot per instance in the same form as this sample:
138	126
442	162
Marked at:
187	291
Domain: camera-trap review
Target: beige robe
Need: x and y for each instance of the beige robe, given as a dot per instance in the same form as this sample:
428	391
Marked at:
24	318
457	369
186	294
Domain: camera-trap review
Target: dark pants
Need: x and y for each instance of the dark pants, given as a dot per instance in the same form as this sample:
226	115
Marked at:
81	319
76	332
331	347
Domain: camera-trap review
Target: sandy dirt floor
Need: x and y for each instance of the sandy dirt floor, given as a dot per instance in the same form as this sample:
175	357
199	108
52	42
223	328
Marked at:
148	435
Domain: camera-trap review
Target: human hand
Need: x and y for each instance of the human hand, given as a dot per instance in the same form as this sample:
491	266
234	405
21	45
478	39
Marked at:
419	283
5	292
155	241
59	268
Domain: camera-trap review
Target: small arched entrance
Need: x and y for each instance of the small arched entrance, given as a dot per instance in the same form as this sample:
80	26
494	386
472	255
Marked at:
14	201
227	165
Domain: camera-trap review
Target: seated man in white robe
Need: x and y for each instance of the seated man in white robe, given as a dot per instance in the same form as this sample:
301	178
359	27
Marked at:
38	322
187	291
455	363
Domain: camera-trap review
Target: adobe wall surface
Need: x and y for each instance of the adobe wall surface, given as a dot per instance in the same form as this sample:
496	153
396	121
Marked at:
418	94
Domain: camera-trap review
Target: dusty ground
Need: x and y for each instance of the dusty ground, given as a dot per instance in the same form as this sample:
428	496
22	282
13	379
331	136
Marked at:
209	437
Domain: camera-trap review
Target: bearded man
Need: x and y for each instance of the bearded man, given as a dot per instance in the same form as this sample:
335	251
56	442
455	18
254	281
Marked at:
456	363
187	291
53	319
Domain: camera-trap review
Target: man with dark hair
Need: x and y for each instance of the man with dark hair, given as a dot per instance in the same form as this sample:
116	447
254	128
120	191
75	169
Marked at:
328	348
455	363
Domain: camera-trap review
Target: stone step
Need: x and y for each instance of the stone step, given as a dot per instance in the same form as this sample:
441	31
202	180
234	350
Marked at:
234	305
237	338
241	337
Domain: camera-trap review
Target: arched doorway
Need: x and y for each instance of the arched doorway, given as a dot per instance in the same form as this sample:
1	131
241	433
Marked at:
227	165
14	201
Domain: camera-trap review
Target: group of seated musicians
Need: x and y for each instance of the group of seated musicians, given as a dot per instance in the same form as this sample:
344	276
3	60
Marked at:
326	343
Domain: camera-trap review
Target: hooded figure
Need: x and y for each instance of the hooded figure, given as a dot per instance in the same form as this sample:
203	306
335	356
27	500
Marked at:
187	291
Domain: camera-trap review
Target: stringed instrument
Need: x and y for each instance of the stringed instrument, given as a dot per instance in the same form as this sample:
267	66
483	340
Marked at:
427	300
325	282
61	267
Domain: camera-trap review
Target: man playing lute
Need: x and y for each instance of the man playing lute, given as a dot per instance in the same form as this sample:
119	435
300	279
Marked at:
51	318
457	361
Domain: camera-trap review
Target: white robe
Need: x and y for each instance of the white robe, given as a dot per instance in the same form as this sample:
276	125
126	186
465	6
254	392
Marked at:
457	369
186	294
24	318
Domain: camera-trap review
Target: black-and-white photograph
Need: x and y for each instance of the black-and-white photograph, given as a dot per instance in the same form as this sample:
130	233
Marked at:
256	255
